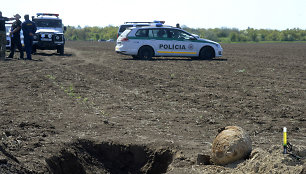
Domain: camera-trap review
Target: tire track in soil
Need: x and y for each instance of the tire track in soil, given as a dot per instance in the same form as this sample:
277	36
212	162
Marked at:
133	87
134	104
129	81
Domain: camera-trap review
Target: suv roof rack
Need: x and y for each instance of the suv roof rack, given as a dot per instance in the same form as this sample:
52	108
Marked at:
47	14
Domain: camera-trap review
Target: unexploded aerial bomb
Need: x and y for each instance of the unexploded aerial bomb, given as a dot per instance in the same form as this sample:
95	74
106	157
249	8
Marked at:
230	145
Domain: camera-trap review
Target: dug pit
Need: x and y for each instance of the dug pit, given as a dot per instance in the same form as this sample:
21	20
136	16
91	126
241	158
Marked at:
85	156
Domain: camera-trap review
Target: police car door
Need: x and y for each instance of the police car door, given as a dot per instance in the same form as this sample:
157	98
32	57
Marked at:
163	45
185	44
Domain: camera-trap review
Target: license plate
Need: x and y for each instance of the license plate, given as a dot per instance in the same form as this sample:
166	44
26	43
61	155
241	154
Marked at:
45	39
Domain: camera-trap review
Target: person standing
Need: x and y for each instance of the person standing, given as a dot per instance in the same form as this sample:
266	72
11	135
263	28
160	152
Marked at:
2	36
29	29
15	37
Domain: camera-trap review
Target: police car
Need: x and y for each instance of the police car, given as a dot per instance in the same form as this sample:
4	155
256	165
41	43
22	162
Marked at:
50	33
159	40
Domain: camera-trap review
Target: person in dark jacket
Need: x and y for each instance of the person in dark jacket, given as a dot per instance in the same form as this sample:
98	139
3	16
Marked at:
15	37
29	29
3	36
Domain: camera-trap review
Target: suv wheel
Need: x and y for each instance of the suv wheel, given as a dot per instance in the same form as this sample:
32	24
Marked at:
60	49
34	49
145	53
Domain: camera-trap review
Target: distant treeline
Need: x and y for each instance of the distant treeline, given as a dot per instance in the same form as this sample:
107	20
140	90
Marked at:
225	35
91	33
228	35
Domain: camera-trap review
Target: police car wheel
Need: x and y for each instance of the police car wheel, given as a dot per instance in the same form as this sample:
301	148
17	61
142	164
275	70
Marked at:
145	53
207	53
135	57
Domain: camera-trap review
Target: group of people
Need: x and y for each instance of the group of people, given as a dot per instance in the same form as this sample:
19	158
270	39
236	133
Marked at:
28	27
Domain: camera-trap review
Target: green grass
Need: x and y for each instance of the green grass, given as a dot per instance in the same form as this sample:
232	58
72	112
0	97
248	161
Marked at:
70	91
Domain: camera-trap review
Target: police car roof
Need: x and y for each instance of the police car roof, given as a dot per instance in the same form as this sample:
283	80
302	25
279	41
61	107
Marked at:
154	22
138	22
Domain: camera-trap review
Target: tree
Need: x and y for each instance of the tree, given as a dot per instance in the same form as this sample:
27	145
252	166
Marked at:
233	37
211	35
217	34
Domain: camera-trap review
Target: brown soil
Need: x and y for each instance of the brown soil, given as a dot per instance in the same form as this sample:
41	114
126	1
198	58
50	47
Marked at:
94	111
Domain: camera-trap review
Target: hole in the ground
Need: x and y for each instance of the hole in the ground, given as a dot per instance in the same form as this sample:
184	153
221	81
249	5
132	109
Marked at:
87	157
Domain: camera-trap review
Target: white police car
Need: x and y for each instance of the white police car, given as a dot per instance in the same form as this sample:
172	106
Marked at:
165	41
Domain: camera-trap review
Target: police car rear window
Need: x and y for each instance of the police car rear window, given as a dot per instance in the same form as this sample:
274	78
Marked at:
125	33
124	27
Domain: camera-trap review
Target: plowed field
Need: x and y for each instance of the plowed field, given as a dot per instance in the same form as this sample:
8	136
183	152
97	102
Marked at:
95	111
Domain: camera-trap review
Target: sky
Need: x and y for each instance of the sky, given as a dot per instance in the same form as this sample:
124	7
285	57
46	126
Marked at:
241	14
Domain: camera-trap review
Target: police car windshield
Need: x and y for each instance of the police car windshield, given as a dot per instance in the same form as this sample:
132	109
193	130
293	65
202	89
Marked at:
48	23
